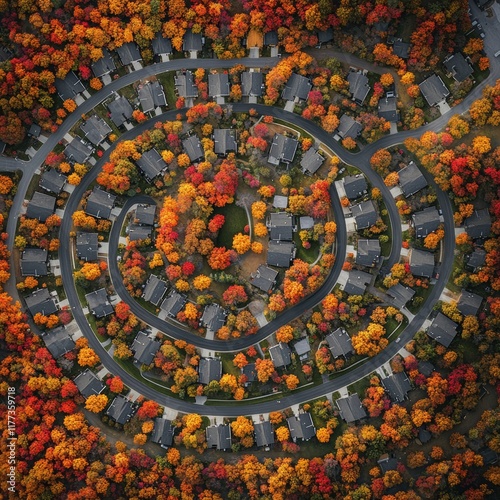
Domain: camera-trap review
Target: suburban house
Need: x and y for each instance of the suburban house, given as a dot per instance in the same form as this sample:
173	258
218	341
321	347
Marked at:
218	86
388	109
401	49
185	86
69	87
145	215
252	84
280	202
213	317
99	304
120	111
280	355
264	278
209	369
301	427
154	290
297	88
302	348
355	186
349	127
400	294
5	53
350	408
88	384
162	46
250	373
163	432
324	36
105	65
95	129
425	221
280	253
421	263
458	67
397	386
136	232
478	225
173	304
443	330
41	302
280	225
100	203
53	181
306	222
387	463
121	410
365	214
311	161
368	253
34	131
434	90
224	141
145	348
271	38
340	343
192	147
78	151
151	96
358	86
469	303
34	262
129	53
411	179
264	434
476	259
219	436
58	341
41	206
282	150
192	43
151	164
357	282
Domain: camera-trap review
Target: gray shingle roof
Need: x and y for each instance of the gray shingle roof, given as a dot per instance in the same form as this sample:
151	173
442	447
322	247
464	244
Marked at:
421	263
387	463
282	149
401	295
264	278
192	147
358	86
41	206
311	161
280	202
264	434
219	436
209	369
280	253
145	215
161	45
163	432
357	282
58	341
69	87
302	347
213	317
249	372
443	330
88	384
120	111
34	262
469	303
401	49
280	355
388	109
53	181
349	127
368	253
151	96
144	348
192	41
355	186
425	221
105	65
224	141
325	36
271	38
365	214
251	83
458	66
281	226
350	408
98	303
306	222
128	53
121	410
411	179
218	85
397	386
185	86
173	304
434	90
40	301
339	343
95	130
478	225
154	290
78	151
301	427
100	203
477	258
297	86
151	164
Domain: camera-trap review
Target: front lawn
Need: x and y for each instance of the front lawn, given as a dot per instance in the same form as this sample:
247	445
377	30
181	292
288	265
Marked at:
236	220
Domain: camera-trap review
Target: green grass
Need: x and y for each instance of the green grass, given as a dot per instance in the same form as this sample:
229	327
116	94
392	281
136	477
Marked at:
307	255
32	187
360	386
420	292
228	366
386	247
167	81
236	220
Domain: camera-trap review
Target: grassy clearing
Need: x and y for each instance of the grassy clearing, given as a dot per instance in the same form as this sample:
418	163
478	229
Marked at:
228	366
236	220
308	255
167	81
360	386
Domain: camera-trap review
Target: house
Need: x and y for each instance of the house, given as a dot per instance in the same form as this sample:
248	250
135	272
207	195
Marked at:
476	259
368	253
145	215
99	304
469	303
400	294
88	384
301	427
120	111
311	161
388	109
129	53
358	86
297	88
425	368
458	67
401	49
280	202
219	436
357	282
58	341
154	290
264	434
421	263
95	129
264	278
478	225
41	302
350	408
424	436
489	456
280	355
69	87
41	206
5	54
218	85
137	232
163	432
250	373
340	343
306	222
355	186
443	330
173	304
121	410
251	84
280	253
434	90
105	65
145	348
213	317
34	262
161	45
224	141
100	203
78	151
425	222
192	43
52	181
280	225
282	150
365	214
151	164
397	386
209	369
184	85
387	463
34	131
87	246
411	179
324	36
302	348
349	127
192	147
271	38
151	96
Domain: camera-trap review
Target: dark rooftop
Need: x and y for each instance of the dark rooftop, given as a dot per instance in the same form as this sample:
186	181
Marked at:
365	214
368	253
280	355
151	96
105	65
350	408
280	253
401	295
282	149
78	151
151	164
100	203
98	303
88	384
469	303
41	206
185	85
224	141
443	330
401	49
477	258
349	127
34	262
213	317
339	343
397	386
40	301
163	432
264	278
478	225
358	86
264	434
421	263
209	369
53	181
154	290
192	147
302	348
251	83
411	179
120	110
69	87
281	226
121	410
434	90
355	186
218	85
311	161
58	341
95	130
144	348
219	436
173	304
388	109
128	53
192	41
425	221
459	68
271	38
357	282
301	427
161	45
297	87
145	215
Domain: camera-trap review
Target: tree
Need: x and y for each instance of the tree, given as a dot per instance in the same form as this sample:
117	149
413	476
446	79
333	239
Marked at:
148	409
264	368
380	161
284	334
323	434
202	282
87	357
282	434
96	403
292	381
258	210
234	295
240	360
116	385
241	243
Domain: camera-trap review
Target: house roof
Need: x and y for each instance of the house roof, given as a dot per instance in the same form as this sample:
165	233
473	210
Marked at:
137	232
355	186
477	258
458	66
469	303
280	253
213	317
478	225
69	87
401	294
281	226
368	253
297	86
306	222
443	330
5	54
264	434
224	141
154	290
350	408
251	83
421	263
365	213
173	304
349	127
145	348
192	147
219	436
358	86
339	343
121	409
98	303
387	463
128	53
78	151
425	221
209	369
53	181
271	38
311	161
250	372
282	149
100	203
280	355
145	214
325	36
434	90
88	384
58	341
425	368
40	301
151	164
34	262
357	282
302	347
161	45
424	435
401	49
163	432
185	85
95	129
87	246
35	130
301	427
397	386
264	278
218	85
280	202
120	110
151	96
41	206
388	109
192	41
411	179
105	65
